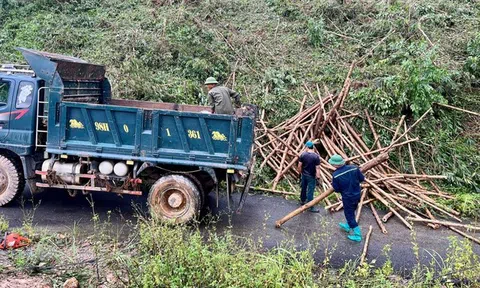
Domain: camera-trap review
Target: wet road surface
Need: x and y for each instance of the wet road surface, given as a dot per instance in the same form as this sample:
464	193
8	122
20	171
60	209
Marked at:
55	211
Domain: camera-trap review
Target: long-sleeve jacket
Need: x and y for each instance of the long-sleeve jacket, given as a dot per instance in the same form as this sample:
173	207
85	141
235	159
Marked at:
220	99
346	180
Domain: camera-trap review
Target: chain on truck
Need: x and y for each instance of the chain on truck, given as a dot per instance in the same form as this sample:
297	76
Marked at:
60	128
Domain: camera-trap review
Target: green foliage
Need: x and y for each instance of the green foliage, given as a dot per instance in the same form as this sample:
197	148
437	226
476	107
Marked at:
467	203
413	83
217	261
461	262
285	8
164	50
450	153
158	255
3	224
472	64
316	32
42	254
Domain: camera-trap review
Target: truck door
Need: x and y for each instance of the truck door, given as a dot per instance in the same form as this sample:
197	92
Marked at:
22	115
6	96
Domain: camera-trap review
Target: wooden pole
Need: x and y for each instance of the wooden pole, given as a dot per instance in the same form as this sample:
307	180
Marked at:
377	218
387	216
269	190
375	135
360	204
427	201
280	175
380	198
444	223
458	109
412	160
381	150
398	128
391	198
365	247
416	176
289	140
430	215
365	167
465	234
409	129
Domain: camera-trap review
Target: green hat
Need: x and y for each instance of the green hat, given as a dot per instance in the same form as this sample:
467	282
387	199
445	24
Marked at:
309	144
211	80
336	160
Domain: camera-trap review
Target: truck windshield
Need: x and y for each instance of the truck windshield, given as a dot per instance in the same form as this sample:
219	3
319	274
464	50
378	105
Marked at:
4	88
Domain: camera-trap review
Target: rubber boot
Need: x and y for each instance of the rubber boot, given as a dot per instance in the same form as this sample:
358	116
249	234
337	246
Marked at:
357	235
344	226
314	210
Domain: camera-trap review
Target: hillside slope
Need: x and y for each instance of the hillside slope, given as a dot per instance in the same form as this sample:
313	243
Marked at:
415	53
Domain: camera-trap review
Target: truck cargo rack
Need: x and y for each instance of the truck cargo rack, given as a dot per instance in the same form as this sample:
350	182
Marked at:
17	69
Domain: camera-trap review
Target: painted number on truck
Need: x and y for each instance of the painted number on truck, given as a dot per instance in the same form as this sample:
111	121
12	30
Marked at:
125	128
193	134
75	124
217	136
101	126
168	132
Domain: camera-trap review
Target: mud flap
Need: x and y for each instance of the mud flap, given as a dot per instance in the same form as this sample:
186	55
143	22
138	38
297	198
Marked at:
246	188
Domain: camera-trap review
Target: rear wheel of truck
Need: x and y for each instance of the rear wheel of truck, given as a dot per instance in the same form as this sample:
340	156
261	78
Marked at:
174	198
11	180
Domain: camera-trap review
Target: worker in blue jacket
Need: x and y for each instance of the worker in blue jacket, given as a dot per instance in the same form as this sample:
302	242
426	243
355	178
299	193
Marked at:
346	180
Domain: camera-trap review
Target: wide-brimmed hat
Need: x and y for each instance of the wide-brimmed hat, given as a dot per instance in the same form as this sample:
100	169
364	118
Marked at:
211	80
336	160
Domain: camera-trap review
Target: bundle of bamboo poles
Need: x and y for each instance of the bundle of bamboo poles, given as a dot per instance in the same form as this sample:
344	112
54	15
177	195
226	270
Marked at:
328	124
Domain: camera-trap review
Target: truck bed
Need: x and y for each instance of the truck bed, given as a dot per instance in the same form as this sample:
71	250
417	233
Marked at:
84	120
155	135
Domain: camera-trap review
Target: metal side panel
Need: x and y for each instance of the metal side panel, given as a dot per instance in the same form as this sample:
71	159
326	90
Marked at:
98	127
167	136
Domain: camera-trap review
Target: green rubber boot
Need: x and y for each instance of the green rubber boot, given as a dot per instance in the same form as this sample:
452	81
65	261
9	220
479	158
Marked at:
357	235
344	227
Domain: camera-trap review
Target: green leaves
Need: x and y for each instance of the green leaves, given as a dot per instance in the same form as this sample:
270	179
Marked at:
316	32
413	81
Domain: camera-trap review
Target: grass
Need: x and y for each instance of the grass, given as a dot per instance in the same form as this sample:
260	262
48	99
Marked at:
4	224
157	255
153	254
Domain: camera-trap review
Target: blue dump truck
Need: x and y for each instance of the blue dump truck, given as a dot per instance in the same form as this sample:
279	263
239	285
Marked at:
60	128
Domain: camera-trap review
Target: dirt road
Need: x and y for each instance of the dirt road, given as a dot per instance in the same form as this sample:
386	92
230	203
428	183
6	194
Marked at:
56	212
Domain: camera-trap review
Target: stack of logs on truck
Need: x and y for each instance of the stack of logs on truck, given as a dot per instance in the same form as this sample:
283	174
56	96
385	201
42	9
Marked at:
60	128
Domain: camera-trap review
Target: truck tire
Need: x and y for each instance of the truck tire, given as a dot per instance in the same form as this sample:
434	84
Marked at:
174	198
12	181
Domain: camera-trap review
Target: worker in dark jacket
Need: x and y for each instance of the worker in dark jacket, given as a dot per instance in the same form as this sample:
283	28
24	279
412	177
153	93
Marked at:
346	180
220	97
307	167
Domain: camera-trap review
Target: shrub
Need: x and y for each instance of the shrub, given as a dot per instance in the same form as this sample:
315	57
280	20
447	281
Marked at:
415	82
316	32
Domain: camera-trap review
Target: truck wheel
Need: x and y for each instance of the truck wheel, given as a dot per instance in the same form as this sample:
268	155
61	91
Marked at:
12	182
174	198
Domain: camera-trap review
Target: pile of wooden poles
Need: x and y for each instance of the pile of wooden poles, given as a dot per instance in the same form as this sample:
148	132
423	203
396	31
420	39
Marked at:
411	197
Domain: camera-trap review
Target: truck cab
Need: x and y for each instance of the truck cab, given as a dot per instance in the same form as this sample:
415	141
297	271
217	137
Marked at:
18	107
60	128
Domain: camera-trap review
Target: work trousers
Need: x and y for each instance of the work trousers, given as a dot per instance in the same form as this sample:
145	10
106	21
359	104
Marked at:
308	187
349	206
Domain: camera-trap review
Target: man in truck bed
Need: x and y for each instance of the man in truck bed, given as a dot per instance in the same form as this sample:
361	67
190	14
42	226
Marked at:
220	97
